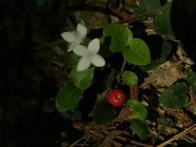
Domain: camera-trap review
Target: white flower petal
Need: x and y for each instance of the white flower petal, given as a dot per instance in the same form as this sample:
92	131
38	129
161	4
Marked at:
98	61
71	46
84	63
81	30
74	44
69	36
94	46
80	50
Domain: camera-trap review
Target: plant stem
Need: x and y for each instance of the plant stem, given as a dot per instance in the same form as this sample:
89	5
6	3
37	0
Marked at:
123	66
120	74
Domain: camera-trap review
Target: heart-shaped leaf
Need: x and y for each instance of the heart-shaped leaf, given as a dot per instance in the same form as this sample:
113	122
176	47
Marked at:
139	128
175	96
68	97
129	78
191	79
119	35
82	79
139	110
72	60
137	52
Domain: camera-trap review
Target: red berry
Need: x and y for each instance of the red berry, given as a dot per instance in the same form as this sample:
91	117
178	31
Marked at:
116	97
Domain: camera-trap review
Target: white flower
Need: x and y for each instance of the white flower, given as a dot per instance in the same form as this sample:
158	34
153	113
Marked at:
89	55
75	37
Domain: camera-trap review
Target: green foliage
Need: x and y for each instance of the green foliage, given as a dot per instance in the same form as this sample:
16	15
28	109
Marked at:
68	97
136	121
191	76
139	110
175	96
162	22
146	6
191	79
139	128
119	35
137	52
72	60
82	79
104	113
129	78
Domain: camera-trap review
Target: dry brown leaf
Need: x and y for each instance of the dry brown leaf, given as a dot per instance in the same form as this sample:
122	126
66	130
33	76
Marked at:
164	75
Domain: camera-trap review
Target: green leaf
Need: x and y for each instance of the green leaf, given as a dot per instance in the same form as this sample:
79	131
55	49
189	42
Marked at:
68	97
104	113
139	128
82	79
175	96
137	52
146	6
162	22
191	76
139	110
72	60
191	79
129	78
119	35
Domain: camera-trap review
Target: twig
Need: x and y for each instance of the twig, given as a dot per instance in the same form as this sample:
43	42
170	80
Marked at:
189	139
121	138
140	144
77	141
116	144
178	136
123	66
121	71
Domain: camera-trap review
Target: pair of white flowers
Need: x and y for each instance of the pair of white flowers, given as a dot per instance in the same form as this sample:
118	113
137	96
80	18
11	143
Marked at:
88	54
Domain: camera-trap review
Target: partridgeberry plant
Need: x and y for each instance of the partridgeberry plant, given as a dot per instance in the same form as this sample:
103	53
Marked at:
120	41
